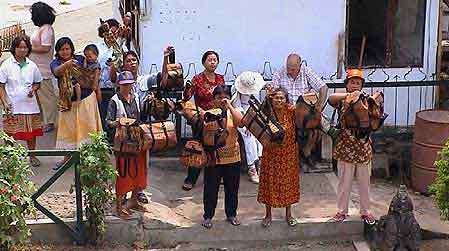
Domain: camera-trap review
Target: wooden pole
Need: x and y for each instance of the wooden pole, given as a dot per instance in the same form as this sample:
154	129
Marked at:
362	51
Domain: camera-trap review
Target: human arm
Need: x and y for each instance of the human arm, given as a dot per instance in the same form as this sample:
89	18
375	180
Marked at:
164	73
59	69
111	115
318	85
236	114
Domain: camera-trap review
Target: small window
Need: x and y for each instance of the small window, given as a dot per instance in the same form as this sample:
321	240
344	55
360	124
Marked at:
393	31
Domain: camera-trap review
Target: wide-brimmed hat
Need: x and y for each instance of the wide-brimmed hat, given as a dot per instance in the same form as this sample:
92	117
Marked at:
249	82
125	78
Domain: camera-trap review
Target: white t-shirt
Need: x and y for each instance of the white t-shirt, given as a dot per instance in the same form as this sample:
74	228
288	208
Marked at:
18	83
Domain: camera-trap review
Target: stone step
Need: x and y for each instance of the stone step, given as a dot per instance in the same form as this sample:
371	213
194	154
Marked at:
166	234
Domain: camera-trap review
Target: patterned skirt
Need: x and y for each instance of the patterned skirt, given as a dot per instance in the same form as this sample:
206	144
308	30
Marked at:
23	126
74	126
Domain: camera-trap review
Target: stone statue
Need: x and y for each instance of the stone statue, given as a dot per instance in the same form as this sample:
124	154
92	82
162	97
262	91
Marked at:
398	230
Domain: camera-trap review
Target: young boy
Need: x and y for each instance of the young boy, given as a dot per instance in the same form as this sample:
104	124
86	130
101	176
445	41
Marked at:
353	155
91	63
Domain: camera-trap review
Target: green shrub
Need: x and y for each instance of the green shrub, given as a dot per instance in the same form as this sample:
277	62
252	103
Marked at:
15	192
440	187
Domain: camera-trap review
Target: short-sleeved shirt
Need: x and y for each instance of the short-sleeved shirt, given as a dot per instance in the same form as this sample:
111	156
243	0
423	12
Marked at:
203	88
85	92
44	36
306	81
93	66
19	79
144	83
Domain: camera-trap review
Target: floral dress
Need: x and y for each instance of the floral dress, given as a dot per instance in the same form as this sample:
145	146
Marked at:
279	171
203	89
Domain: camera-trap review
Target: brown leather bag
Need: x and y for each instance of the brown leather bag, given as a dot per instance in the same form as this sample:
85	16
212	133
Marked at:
214	132
190	111
264	127
158	136
376	110
354	112
175	79
128	138
305	115
193	155
159	108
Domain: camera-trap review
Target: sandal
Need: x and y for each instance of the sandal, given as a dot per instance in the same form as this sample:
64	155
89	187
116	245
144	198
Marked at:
292	222
35	162
58	165
368	218
187	187
123	214
234	221
266	222
338	217
139	208
207	223
142	198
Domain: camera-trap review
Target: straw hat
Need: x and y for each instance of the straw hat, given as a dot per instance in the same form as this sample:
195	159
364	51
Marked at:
249	82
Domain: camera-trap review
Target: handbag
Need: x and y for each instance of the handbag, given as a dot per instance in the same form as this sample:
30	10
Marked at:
261	124
305	115
158	107
376	110
158	136
175	80
193	155
128	138
214	132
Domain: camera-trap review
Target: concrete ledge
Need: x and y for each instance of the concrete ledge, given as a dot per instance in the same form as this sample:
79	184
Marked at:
165	234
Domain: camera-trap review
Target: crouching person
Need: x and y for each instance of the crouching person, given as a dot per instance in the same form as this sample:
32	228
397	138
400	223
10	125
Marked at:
353	154
226	165
131	168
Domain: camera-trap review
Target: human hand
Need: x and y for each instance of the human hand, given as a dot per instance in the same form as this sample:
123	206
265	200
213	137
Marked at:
167	50
149	97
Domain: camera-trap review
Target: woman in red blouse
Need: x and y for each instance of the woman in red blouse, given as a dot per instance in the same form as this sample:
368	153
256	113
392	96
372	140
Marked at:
203	85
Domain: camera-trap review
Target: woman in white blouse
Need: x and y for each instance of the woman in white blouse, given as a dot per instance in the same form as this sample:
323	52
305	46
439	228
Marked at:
19	80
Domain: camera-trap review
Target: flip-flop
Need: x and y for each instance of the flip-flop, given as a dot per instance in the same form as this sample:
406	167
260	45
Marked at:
207	223
266	222
57	166
292	222
187	187
123	214
142	198
233	221
368	218
338	217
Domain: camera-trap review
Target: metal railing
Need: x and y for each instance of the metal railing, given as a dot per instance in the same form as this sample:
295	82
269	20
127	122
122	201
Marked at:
78	232
403	96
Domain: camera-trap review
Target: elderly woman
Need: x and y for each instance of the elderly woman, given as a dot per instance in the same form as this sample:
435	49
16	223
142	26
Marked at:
202	87
83	118
226	166
126	104
279	171
19	80
246	84
43	42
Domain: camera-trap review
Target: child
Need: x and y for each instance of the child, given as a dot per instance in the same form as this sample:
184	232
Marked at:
91	63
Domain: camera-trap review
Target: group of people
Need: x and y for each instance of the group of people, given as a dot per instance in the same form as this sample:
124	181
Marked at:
30	98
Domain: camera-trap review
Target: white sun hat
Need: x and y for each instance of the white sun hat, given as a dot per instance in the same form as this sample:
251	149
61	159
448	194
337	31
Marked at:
249	82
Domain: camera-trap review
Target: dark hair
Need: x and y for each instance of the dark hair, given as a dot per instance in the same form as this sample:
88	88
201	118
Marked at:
282	89
221	89
113	23
61	42
42	13
207	53
16	42
91	47
133	53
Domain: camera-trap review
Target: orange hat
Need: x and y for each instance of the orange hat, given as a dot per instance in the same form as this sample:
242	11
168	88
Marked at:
354	73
